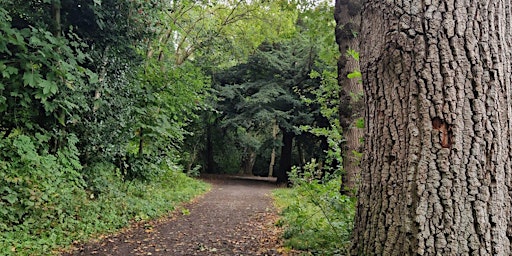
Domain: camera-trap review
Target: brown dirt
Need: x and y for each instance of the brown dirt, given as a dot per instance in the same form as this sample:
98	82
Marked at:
235	218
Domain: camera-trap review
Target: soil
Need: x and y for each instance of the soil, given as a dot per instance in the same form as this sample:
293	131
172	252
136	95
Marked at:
236	217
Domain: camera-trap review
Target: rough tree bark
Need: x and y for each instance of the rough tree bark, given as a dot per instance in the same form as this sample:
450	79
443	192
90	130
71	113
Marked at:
437	167
348	19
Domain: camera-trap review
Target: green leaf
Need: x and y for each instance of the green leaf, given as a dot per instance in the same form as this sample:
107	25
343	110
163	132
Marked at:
31	78
360	123
46	86
8	71
354	54
355	74
34	40
29	203
54	88
93	77
11	198
49	87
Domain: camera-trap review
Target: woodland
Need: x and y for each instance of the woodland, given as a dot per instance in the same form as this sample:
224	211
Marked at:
109	106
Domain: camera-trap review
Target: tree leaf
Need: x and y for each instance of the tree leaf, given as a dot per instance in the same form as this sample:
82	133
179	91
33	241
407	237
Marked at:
8	71
355	74
31	78
11	198
49	87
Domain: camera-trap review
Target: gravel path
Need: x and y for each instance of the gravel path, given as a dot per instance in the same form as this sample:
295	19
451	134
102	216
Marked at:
235	218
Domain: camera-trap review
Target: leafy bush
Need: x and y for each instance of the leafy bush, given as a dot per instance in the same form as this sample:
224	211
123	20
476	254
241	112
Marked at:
315	216
36	187
45	204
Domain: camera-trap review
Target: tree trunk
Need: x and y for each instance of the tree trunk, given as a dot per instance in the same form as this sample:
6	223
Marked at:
141	142
285	161
56	13
437	81
348	19
248	161
210	161
275	130
300	153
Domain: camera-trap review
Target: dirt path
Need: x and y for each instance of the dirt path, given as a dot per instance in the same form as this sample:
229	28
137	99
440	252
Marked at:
235	218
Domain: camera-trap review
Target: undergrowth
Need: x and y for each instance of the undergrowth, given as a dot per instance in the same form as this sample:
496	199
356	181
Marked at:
316	218
46	206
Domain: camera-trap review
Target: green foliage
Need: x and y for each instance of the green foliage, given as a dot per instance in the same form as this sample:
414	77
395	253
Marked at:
167	101
327	96
353	53
78	95
221	33
269	89
88	215
316	218
37	80
36	188
317	23
356	74
360	123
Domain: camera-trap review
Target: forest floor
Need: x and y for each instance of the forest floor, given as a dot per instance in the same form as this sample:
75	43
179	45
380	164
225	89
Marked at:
237	217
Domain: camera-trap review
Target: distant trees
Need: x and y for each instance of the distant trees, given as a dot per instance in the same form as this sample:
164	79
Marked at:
278	87
269	89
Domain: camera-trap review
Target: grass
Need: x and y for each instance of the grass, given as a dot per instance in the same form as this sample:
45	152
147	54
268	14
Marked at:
317	220
116	207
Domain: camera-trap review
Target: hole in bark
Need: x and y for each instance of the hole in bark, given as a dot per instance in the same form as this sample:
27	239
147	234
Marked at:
445	131
391	159
437	123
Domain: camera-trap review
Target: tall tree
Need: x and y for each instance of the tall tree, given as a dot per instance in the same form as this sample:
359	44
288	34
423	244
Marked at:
437	81
348	19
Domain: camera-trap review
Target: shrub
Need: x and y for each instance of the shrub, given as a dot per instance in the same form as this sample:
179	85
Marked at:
45	204
36	187
315	216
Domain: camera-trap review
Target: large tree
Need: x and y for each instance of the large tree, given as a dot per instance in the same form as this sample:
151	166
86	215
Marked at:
347	16
437	81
